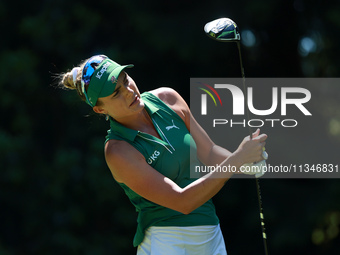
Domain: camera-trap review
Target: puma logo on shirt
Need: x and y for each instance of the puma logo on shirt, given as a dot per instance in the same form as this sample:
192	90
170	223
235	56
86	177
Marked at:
173	126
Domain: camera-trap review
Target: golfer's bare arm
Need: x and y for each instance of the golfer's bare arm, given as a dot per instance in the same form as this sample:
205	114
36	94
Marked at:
208	152
129	166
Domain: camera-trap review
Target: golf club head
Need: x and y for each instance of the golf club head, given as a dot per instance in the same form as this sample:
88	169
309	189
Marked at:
223	29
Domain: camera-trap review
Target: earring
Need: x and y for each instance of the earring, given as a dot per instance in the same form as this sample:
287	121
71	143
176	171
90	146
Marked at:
107	117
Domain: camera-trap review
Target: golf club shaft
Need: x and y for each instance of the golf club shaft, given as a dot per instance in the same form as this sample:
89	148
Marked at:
244	86
264	236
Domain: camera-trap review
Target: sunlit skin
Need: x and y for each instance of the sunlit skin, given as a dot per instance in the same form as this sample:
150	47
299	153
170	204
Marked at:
126	106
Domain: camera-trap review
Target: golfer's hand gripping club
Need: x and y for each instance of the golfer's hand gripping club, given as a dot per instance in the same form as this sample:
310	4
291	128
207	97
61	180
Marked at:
257	168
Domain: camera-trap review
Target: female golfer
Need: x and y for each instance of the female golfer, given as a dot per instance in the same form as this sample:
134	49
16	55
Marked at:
152	144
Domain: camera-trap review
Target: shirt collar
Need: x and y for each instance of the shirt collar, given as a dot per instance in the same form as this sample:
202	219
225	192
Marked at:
128	133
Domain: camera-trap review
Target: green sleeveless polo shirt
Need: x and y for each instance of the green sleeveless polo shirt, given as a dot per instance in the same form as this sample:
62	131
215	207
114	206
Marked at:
170	156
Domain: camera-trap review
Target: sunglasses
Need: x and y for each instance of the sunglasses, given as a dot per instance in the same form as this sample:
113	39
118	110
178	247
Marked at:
88	70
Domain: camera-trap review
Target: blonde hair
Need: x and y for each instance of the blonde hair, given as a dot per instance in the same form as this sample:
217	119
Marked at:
72	80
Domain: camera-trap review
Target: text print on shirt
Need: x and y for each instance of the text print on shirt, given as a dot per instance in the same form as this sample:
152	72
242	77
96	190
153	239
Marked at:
153	157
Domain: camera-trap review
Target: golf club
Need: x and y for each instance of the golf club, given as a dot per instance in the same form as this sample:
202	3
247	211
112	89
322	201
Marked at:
226	30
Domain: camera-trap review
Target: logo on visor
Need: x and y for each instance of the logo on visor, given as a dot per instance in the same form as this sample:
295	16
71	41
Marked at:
102	71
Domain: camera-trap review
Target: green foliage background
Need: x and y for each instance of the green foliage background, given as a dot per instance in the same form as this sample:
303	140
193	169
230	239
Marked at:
57	195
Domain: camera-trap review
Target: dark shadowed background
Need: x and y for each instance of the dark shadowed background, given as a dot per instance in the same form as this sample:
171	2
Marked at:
57	195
